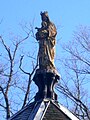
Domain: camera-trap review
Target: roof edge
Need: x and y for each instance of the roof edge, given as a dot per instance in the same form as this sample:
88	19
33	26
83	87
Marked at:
67	112
20	111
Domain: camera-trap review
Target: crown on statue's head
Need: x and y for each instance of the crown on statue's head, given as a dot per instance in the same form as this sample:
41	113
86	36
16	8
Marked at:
44	13
45	16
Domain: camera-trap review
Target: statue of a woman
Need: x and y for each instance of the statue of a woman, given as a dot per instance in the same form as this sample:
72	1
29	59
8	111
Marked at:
46	38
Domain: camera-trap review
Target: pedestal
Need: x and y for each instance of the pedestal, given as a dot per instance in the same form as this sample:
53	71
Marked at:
45	82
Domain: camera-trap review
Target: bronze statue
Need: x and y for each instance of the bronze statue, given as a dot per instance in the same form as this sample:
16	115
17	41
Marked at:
46	38
46	76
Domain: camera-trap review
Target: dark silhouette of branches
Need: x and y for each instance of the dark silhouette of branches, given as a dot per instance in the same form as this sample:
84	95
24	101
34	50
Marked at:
9	76
77	66
29	80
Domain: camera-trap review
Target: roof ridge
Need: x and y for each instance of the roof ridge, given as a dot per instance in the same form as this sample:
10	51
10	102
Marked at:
35	109
45	109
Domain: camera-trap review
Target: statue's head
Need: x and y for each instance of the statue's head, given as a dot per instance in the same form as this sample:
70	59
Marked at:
44	16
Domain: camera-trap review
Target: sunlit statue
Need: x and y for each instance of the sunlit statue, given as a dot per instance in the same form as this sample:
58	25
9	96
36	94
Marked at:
46	38
46	76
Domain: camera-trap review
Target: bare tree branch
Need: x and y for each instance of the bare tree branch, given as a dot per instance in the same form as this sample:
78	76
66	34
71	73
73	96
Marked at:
29	81
6	101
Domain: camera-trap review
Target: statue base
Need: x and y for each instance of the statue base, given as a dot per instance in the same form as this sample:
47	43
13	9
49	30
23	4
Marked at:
45	82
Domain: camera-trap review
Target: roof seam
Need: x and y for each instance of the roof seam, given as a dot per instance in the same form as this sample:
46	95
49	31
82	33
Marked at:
33	110
45	110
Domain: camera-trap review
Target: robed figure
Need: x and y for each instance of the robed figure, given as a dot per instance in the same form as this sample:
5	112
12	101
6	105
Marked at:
46	38
46	75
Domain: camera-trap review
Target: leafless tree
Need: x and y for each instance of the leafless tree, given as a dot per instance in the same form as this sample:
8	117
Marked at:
29	81
77	72
11	78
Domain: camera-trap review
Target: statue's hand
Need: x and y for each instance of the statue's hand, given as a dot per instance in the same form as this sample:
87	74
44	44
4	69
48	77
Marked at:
37	28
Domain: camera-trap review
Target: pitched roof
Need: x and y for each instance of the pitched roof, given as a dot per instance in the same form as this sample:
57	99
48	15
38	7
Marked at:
44	110
24	113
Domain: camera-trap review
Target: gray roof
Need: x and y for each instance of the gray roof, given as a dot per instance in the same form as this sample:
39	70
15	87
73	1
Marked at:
24	113
44	110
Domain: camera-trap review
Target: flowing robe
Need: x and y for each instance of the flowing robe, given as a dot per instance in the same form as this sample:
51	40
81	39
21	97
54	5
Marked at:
46	38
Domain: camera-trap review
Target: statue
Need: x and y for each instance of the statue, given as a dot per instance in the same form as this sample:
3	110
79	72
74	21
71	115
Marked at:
46	76
46	38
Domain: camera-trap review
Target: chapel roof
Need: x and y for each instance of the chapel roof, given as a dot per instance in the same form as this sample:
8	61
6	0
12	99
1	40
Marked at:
44	110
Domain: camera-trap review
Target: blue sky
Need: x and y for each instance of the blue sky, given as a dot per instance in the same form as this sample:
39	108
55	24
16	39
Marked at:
64	13
67	14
